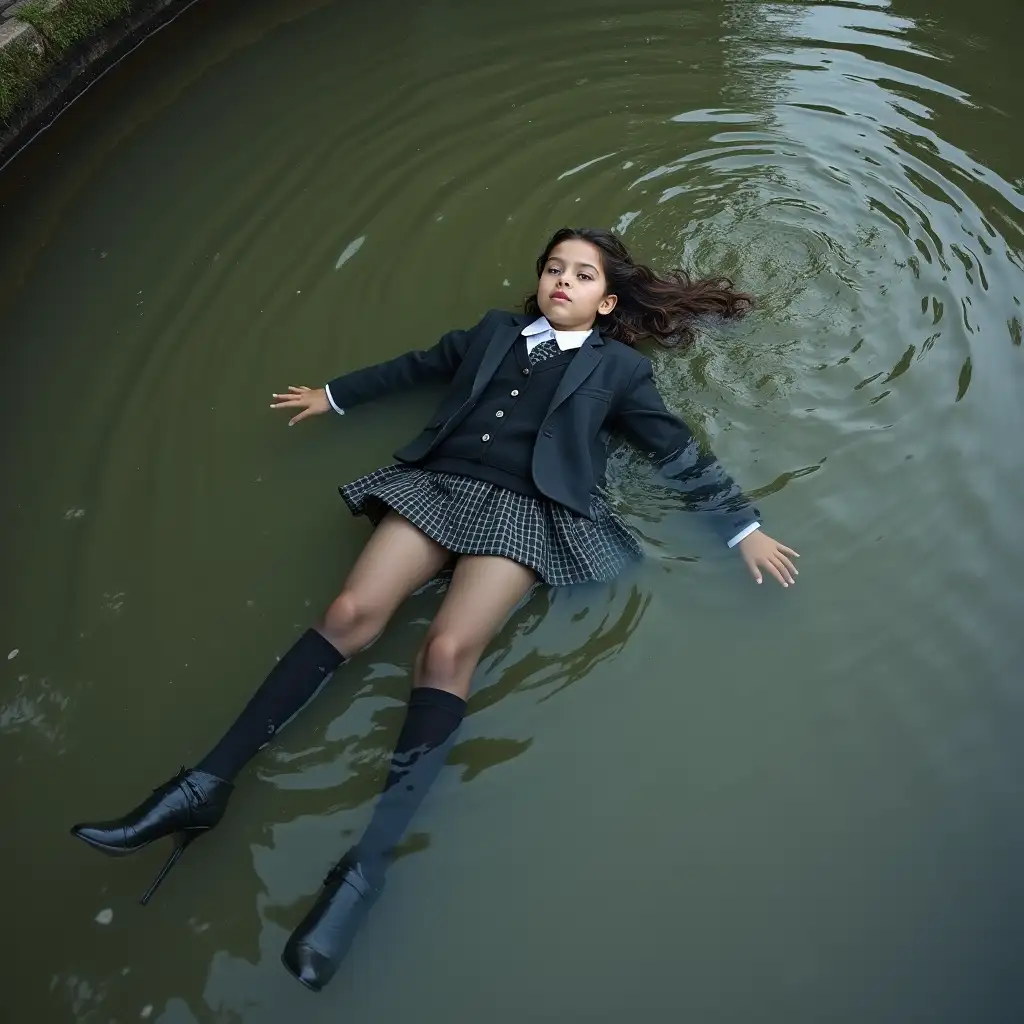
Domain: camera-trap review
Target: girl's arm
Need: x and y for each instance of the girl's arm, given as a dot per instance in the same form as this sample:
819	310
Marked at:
641	415
435	365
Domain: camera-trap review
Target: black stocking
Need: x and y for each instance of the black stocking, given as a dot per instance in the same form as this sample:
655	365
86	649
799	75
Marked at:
426	737
293	682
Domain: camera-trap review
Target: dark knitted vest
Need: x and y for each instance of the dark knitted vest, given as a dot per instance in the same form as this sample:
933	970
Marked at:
496	439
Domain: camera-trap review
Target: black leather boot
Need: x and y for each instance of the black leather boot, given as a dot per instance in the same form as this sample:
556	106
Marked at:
186	806
316	948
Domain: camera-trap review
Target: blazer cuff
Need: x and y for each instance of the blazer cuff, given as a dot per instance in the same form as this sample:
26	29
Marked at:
744	533
334	405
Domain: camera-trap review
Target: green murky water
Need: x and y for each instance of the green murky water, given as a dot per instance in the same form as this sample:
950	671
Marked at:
679	797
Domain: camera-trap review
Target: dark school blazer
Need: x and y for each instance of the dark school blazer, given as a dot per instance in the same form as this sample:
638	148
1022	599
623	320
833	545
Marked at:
608	388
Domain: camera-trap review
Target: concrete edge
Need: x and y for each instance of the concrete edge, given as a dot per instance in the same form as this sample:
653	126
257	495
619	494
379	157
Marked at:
78	68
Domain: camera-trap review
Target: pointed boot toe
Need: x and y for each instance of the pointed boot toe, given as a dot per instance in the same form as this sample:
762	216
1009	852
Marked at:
186	807
191	802
308	966
315	950
108	837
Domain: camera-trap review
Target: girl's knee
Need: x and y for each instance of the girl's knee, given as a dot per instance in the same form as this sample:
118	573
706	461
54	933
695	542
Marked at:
446	657
351	623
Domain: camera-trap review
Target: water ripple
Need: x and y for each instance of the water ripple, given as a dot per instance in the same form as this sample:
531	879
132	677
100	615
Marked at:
290	190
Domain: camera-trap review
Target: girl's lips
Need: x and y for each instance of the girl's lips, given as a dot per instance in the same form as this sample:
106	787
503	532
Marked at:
561	296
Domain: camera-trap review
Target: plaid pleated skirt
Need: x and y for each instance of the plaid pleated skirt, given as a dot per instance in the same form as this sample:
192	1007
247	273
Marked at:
473	517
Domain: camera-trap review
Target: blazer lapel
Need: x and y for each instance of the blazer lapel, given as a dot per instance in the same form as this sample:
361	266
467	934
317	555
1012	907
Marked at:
504	338
579	369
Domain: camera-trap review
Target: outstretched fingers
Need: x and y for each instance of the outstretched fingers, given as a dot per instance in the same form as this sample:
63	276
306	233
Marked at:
301	416
783	569
295	396
776	564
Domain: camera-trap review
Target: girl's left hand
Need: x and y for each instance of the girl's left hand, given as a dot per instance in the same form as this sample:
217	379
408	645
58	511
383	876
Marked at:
758	549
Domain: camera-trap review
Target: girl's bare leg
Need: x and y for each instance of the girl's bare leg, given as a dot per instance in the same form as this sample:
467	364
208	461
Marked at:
397	560
483	592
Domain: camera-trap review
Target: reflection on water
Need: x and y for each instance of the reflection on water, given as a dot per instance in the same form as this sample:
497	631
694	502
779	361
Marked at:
678	794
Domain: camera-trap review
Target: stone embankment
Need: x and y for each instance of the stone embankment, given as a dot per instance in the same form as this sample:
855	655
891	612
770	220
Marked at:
51	50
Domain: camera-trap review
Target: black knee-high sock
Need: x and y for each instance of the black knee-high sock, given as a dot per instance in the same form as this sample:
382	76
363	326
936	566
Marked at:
426	737
292	683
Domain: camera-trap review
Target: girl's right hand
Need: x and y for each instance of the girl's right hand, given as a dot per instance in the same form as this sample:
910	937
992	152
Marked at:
307	403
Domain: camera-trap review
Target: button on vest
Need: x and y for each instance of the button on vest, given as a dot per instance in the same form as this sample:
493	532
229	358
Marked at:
496	439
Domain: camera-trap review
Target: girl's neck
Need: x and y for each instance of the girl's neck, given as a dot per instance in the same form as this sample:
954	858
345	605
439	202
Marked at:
571	327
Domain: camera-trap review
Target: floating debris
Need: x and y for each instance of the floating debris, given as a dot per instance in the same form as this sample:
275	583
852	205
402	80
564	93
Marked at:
105	916
350	250
584	166
13	654
146	1011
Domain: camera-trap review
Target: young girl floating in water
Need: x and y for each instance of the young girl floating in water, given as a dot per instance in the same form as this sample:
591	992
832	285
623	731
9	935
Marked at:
506	477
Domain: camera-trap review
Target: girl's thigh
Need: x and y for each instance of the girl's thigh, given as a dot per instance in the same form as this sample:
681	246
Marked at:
483	592
397	560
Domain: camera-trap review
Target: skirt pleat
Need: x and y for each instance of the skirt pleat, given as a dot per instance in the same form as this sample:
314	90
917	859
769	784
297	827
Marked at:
473	517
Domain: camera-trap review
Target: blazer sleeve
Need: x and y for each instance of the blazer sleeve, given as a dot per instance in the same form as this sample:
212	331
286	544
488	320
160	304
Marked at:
435	365
642	417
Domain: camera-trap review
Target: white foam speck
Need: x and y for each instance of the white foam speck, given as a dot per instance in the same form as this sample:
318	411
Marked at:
146	1010
506	283
105	916
13	654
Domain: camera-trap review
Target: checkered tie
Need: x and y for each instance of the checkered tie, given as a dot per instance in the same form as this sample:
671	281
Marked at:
545	350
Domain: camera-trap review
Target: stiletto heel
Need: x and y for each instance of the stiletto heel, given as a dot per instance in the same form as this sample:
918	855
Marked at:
182	843
186	806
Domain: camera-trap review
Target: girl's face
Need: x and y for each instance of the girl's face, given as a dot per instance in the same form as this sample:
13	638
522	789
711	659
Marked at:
572	290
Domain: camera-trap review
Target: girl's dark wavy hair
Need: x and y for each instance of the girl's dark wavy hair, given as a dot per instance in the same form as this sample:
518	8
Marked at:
660	306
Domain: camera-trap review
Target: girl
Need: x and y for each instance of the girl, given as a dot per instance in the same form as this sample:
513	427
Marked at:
507	478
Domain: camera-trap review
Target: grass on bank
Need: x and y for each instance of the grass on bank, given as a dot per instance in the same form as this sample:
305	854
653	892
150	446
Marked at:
20	66
61	27
72	21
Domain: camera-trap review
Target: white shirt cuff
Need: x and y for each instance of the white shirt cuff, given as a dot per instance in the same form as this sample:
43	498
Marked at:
334	405
739	536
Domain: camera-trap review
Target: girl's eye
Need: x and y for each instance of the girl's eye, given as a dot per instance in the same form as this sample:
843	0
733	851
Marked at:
586	277
552	269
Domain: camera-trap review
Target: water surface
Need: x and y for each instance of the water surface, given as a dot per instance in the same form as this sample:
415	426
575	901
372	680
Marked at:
677	797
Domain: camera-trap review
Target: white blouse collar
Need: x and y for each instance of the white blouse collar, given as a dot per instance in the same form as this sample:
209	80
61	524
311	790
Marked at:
565	340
